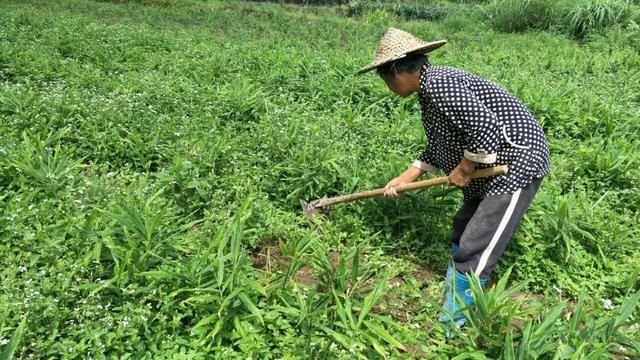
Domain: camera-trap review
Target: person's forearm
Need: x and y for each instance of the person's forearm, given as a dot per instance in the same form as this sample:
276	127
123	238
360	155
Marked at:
412	173
461	175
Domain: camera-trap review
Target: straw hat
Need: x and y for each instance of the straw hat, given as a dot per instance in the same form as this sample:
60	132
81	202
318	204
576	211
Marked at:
396	44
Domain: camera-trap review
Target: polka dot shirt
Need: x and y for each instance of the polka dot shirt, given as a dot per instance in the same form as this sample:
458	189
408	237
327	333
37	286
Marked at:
465	115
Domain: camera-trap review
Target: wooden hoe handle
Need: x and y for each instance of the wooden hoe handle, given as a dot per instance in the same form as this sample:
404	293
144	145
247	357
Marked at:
492	171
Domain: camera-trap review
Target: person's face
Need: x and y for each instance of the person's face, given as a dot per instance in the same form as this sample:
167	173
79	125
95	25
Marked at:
400	84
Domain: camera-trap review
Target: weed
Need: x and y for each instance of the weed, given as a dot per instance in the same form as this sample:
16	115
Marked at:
517	16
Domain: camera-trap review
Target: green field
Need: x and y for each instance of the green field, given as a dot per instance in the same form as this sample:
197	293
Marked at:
153	154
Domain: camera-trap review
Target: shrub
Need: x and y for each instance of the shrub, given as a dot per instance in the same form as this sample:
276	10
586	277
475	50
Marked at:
592	15
378	16
162	3
405	10
519	15
308	2
420	11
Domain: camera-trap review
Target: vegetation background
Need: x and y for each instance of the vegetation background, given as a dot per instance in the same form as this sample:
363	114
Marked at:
152	154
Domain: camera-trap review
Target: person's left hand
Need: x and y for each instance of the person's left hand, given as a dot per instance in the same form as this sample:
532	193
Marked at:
460	176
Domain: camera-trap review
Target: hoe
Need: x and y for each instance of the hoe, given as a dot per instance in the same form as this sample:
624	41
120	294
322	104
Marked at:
314	207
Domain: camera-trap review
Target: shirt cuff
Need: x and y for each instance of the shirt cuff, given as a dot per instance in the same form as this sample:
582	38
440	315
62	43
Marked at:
481	156
424	166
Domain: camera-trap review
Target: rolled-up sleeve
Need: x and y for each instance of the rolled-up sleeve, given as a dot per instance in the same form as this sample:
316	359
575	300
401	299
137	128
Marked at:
425	161
478	123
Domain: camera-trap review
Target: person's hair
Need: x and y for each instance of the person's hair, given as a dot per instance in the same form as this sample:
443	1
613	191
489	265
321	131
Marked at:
409	64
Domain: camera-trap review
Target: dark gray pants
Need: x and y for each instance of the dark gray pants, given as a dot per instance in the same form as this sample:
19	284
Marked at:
483	227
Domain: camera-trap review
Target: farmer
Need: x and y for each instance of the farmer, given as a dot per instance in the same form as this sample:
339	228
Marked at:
470	123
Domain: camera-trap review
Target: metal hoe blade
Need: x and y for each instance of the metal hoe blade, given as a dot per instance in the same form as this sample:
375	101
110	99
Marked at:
310	210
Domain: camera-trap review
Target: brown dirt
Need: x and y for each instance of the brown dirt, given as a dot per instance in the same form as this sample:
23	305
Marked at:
270	259
404	308
415	351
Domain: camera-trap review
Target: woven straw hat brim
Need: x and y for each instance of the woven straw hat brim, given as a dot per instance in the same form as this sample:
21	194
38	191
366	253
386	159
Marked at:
427	47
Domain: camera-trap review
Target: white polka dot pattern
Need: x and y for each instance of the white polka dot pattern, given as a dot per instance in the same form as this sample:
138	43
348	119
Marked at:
466	115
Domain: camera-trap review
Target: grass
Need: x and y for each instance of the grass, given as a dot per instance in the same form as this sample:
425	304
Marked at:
518	16
147	149
586	17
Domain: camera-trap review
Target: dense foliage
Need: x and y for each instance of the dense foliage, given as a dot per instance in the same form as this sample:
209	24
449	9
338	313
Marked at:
152	155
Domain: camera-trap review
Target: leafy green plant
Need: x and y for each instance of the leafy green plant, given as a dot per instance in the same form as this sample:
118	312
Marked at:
17	103
44	161
309	172
560	224
517	16
493	313
216	282
592	15
420	11
344	294
589	336
145	241
609	162
241	100
9	349
582	335
224	287
407	10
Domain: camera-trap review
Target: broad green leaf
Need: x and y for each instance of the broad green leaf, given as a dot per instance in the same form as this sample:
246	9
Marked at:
251	306
384	334
10	348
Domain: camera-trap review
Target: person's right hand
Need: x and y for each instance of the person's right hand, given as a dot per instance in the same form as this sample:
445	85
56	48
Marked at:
389	189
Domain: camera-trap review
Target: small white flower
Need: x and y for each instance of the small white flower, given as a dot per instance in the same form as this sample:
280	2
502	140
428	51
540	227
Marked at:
4	341
22	268
607	304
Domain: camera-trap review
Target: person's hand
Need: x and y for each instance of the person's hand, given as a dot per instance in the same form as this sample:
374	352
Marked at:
389	189
460	176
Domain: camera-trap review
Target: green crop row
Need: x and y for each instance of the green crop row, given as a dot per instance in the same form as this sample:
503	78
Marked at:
578	19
